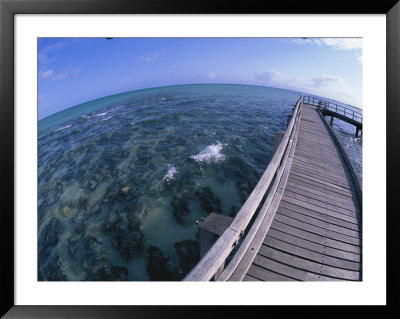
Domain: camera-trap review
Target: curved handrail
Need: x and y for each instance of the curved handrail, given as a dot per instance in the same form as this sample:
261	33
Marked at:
339	109
216	256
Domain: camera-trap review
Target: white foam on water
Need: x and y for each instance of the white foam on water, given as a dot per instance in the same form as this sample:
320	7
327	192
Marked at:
211	153
163	99
102	114
95	115
171	172
63	128
107	118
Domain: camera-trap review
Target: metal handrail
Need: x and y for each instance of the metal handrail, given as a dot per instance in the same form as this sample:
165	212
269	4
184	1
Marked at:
326	105
216	256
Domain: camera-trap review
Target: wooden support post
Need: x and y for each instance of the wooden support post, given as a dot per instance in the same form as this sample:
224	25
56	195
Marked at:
331	120
289	117
357	130
278	138
209	231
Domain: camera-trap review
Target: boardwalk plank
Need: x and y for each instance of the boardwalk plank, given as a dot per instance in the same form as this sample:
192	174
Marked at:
315	238
321	258
316	207
307	265
289	271
312	165
319	156
311	212
313	158
266	275
340	193
319	152
317	215
319	202
319	248
317	230
306	156
319	222
316	195
319	165
333	174
321	180
249	278
329	176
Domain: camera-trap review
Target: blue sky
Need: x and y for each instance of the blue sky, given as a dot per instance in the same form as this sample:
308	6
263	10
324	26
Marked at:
76	70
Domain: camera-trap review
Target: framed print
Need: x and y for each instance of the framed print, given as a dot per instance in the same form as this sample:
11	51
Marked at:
114	111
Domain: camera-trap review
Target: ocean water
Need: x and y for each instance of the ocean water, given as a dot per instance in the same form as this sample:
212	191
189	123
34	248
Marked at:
122	180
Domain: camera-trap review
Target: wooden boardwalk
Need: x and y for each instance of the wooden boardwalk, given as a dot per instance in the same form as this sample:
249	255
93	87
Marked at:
346	114
310	229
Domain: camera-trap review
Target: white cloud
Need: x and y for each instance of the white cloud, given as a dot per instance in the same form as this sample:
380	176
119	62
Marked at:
301	41
60	76
44	74
266	76
329	86
327	80
51	75
151	57
273	77
43	55
360	59
346	44
341	43
45	58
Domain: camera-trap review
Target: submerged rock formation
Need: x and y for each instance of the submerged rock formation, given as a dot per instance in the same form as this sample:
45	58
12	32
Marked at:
208	201
189	254
156	266
180	209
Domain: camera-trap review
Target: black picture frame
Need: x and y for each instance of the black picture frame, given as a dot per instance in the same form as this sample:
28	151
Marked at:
8	8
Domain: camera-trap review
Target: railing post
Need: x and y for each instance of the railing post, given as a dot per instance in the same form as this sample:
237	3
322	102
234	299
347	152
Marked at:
278	138
289	117
209	230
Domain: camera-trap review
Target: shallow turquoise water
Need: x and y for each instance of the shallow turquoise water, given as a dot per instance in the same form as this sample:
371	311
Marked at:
123	179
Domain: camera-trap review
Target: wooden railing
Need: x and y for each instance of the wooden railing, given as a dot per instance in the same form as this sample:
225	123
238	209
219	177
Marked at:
338	109
218	253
